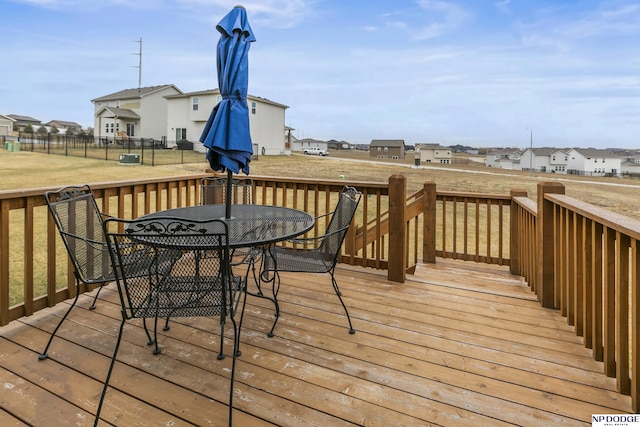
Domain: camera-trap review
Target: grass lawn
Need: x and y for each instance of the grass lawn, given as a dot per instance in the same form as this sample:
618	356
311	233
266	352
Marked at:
33	170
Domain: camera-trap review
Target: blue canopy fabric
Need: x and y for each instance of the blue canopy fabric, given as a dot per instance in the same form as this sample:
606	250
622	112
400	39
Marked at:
226	134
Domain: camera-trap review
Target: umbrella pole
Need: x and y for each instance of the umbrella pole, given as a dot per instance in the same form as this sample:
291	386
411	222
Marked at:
227	199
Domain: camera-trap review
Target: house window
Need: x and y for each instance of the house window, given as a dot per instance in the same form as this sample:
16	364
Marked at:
111	127
379	148
194	103
130	129
181	133
253	107
117	104
106	128
386	149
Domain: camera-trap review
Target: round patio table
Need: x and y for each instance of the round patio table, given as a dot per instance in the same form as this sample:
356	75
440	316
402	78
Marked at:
249	225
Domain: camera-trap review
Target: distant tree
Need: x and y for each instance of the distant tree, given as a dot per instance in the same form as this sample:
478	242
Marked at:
42	130
72	130
90	131
81	132
28	129
54	129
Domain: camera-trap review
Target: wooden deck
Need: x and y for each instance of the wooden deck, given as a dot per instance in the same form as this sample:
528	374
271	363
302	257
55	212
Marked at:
459	344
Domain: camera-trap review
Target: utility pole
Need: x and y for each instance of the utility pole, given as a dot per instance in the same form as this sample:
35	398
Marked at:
531	157
139	66
531	153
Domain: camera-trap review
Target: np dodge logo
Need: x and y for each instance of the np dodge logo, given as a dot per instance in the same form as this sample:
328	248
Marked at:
615	420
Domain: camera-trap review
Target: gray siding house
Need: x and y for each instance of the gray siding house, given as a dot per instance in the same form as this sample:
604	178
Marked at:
387	149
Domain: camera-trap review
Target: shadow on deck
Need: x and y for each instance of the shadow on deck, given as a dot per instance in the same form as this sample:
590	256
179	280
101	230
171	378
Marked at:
458	344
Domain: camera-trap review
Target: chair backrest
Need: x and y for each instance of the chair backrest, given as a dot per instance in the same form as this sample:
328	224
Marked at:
339	224
161	269
213	191
79	222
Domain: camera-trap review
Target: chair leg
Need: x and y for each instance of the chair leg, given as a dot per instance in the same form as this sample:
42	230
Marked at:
44	354
275	287
220	353
237	329
155	336
339	294
150	340
106	381
93	304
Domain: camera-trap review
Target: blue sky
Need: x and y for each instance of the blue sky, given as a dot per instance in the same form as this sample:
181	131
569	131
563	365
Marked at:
475	72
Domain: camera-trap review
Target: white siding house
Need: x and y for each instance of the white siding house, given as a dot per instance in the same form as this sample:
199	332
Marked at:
538	159
503	159
558	161
631	166
6	125
188	114
434	153
134	113
593	162
301	144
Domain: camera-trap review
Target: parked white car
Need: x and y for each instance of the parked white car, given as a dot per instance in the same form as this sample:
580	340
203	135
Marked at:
315	151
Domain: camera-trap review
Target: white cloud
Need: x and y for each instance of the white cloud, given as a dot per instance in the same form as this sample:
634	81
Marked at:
450	16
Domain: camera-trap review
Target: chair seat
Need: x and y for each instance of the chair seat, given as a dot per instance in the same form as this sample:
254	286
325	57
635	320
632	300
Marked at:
186	296
297	261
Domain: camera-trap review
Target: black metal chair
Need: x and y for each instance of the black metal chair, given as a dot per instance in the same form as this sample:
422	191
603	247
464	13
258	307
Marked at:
213	192
79	222
316	254
191	286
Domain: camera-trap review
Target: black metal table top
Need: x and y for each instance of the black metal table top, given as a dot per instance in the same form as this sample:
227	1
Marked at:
249	225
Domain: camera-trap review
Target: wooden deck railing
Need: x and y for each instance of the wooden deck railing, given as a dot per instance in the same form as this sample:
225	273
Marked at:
577	258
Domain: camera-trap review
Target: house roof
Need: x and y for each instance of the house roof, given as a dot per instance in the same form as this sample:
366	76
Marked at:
64	124
429	146
7	117
134	93
122	113
19	118
597	153
387	143
217	92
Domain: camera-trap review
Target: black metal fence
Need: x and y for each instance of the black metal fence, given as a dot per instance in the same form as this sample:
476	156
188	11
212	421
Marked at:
145	151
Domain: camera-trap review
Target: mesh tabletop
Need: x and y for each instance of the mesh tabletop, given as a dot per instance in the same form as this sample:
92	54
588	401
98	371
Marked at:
249	225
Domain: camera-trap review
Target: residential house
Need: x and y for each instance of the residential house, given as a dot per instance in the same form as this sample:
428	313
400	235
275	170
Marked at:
434	153
387	149
301	144
630	166
338	145
558	161
63	126
503	159
6	125
134	113
593	162
22	121
188	113
538	159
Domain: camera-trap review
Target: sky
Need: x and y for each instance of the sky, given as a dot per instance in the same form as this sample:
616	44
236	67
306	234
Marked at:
483	73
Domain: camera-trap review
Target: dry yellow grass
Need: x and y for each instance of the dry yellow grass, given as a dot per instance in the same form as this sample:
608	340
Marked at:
31	170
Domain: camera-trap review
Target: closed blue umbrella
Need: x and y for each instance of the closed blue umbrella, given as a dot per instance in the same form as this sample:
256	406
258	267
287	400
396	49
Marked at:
226	134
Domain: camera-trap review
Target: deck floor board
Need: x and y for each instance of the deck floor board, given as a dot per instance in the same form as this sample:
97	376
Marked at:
458	344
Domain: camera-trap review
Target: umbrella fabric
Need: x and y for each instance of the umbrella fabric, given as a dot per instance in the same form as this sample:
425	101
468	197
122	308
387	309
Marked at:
226	134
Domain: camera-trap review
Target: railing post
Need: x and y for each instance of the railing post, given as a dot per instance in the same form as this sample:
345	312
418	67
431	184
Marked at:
429	223
397	228
514	231
546	242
